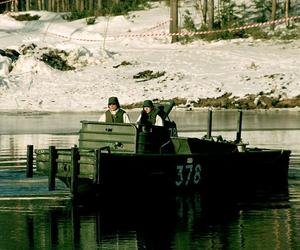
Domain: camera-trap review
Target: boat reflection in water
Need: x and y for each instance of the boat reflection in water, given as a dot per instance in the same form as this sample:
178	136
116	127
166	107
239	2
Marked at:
183	221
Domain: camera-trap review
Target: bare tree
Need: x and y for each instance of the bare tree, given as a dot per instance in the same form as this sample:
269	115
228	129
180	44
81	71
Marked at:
50	5
27	5
286	11
273	14
91	7
203	9
210	14
98	7
174	19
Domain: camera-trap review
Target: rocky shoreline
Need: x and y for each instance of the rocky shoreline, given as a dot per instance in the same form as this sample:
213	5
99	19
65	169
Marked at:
227	101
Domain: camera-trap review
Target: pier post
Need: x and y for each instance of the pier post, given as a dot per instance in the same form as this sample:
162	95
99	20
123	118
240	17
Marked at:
98	153
29	161
209	124
52	168
239	127
98	157
75	170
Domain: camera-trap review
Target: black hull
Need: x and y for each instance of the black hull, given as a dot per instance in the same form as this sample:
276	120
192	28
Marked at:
168	173
123	158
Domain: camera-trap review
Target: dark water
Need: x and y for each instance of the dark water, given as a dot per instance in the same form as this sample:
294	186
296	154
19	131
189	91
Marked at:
270	219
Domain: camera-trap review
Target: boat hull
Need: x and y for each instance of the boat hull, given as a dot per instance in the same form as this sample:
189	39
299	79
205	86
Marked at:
134	172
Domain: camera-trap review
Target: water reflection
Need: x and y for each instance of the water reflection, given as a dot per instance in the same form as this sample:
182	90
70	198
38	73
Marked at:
66	123
184	221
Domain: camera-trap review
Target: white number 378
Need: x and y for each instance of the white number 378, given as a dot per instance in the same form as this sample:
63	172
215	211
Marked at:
188	175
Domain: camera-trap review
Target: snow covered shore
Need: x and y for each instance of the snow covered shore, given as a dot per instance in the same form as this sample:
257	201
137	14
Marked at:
107	62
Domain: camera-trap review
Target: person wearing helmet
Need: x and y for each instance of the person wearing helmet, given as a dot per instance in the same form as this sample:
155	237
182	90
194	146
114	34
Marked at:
114	113
149	115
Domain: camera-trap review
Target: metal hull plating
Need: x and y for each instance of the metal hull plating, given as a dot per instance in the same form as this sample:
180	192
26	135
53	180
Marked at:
168	172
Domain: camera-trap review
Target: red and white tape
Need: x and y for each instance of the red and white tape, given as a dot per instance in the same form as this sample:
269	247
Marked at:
72	38
282	20
159	25
163	34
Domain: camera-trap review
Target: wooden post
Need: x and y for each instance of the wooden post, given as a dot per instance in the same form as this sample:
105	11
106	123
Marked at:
75	170
98	153
52	168
239	127
98	158
29	161
209	124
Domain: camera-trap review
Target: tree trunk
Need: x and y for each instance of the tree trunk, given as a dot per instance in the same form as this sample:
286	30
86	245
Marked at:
273	14
98	7
50	5
287	7
63	7
210	14
204	11
174	19
77	5
27	5
91	7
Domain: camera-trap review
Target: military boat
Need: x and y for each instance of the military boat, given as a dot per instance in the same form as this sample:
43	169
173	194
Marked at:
115	157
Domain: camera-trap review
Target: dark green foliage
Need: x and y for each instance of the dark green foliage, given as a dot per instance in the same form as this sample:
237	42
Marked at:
229	15
123	63
257	33
26	17
53	59
263	10
188	22
124	6
11	53
148	75
75	15
90	20
226	35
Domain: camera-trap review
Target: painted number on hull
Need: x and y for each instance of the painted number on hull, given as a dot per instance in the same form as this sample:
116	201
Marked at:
188	174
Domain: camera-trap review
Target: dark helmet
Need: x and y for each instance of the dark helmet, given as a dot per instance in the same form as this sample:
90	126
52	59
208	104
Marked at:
113	100
148	103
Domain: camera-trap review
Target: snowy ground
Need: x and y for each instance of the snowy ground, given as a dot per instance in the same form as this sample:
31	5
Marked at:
108	54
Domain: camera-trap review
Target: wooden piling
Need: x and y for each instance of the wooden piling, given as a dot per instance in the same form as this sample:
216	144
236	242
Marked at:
209	124
239	127
98	158
52	168
75	170
98	153
29	161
